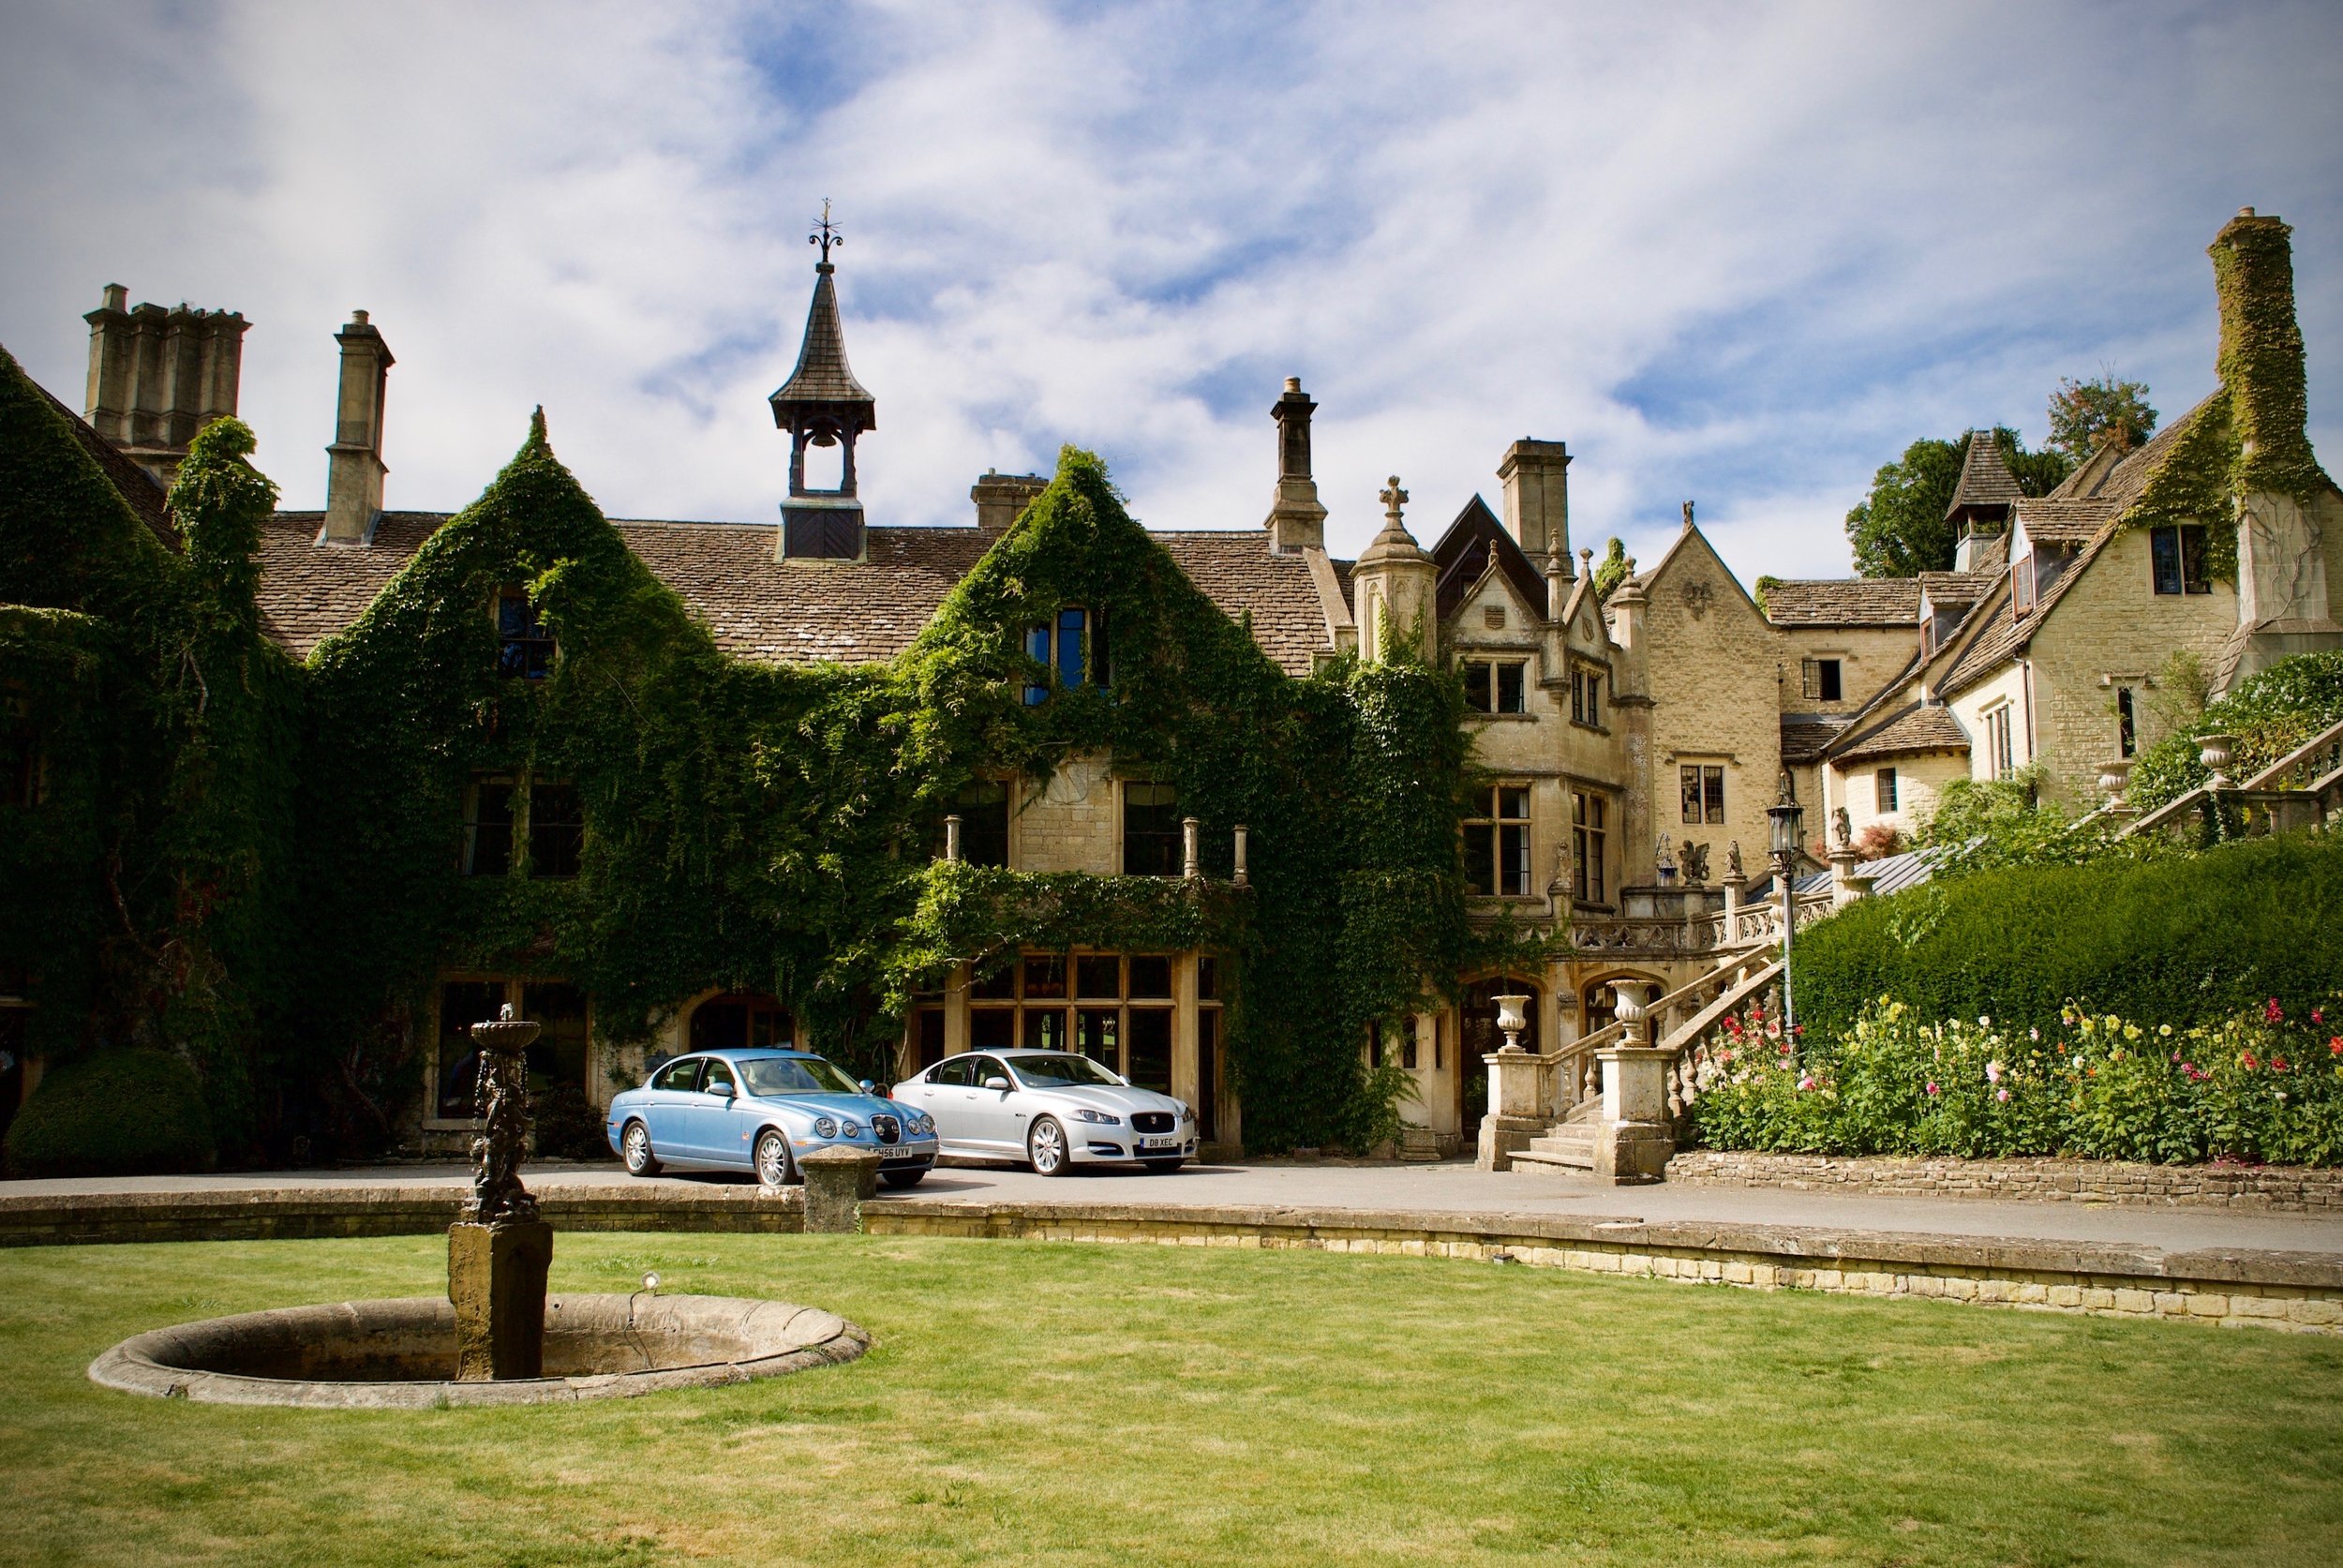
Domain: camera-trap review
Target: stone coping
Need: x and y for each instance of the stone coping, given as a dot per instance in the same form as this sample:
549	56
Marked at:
2259	1188
689	1342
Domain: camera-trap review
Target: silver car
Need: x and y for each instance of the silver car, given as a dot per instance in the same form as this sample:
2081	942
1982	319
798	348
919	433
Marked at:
1052	1110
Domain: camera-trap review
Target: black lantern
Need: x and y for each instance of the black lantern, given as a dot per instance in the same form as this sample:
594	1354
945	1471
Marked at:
1789	819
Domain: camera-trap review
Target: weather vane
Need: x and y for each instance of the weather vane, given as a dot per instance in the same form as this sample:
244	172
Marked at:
824	234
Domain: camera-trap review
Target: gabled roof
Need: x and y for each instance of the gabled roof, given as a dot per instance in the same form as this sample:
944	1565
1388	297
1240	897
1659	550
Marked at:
138	486
1916	728
1843	601
769	611
1985	477
1998	635
1465	551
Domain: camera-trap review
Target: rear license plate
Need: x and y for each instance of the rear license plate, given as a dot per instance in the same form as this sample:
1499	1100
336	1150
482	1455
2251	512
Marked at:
1151	1145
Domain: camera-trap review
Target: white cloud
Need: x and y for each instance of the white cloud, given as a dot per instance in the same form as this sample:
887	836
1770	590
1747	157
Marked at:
1743	255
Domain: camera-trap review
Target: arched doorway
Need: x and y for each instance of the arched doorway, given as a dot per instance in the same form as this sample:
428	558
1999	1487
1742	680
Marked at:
1477	1013
741	1019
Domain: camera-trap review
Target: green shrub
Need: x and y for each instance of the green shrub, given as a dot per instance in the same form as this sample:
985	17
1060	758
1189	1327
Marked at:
127	1113
2265	1085
2184	940
2268	714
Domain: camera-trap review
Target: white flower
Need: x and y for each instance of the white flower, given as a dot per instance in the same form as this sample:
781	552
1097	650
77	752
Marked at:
1983	1022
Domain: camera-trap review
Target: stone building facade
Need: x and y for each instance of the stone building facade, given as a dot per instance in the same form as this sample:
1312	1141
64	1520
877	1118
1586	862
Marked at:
1628	747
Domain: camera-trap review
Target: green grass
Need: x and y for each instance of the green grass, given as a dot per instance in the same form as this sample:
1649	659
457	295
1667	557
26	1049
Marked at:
1030	1403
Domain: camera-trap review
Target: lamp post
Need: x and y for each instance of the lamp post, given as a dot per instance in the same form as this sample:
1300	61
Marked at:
1787	819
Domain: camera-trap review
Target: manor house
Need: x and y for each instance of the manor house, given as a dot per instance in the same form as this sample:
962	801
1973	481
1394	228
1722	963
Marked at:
1628	743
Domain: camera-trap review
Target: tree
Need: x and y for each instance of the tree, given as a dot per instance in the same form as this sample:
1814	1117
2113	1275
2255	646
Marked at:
1899	530
2086	415
1610	571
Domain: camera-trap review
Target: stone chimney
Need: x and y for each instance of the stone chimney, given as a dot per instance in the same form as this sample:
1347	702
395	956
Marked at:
1002	498
1296	522
157	376
2282	600
1536	476
353	471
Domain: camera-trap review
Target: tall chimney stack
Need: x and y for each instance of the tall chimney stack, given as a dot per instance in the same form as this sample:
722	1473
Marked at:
157	377
1002	498
1296	521
353	471
1536	476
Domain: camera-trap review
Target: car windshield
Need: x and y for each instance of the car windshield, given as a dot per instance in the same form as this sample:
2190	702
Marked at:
1060	1068
796	1075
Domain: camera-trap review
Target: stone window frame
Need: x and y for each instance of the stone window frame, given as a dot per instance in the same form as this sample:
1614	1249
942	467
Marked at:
521	854
1045	642
2182	547
1484	676
1586	694
2000	741
1709	803
1172	839
1887	791
1817	670
1502	831
1590	847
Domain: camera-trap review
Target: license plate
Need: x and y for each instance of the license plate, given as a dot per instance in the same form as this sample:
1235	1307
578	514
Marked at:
1152	1143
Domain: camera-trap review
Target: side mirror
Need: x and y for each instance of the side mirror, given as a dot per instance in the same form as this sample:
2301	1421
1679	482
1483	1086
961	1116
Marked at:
997	1081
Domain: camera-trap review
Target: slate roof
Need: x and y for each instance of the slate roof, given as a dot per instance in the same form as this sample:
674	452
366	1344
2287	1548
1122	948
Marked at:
2109	490
1957	587
138	486
1914	729
1803	738
1843	601
772	612
1985	476
2062	520
822	376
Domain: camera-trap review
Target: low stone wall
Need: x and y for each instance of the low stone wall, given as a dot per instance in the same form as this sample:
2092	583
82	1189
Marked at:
2295	1291
2265	1189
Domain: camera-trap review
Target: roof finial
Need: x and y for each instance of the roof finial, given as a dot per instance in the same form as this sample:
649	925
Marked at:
825	234
1393	499
1687	515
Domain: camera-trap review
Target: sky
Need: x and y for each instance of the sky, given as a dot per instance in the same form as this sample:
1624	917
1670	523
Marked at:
1740	254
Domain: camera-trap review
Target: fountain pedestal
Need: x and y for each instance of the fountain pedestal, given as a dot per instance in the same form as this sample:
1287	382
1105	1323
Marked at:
498	1255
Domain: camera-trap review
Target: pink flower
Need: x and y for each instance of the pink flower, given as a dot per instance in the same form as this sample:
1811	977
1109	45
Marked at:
1931	1087
2273	1014
2246	1060
2002	1095
1807	1081
1993	1072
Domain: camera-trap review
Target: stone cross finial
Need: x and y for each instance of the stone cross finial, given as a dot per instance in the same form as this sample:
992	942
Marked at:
1393	499
825	233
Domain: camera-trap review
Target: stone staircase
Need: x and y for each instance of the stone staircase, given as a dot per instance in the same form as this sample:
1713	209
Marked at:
1567	1145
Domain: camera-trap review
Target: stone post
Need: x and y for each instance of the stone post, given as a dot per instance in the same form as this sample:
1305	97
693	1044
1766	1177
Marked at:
1191	854
1240	876
837	1180
1516	1106
1633	1139
952	837
1846	883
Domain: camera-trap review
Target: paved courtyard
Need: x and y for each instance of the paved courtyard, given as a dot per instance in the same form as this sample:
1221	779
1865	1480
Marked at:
1453	1188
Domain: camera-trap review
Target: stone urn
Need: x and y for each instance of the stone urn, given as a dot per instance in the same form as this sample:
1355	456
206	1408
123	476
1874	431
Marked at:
2213	752
1634	998
1512	1019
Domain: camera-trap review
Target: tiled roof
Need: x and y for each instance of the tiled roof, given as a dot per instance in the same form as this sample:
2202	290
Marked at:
1843	601
1985	476
1915	729
1957	587
1803	738
773	612
2064	519
138	486
2114	487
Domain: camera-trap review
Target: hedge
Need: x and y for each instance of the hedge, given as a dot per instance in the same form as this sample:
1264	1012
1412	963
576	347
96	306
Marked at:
2182	941
126	1112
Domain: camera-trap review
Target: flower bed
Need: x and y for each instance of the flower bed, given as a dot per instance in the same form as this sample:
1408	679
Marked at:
2263	1086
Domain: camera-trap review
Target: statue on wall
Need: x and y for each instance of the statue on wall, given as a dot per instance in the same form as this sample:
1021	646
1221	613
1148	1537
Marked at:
1841	828
1663	859
1696	865
1733	871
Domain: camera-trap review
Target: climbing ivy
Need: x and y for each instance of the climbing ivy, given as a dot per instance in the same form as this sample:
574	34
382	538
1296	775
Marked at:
2193	482
2261	362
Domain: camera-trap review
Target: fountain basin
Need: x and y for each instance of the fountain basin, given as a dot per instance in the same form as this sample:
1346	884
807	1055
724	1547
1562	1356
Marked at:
400	1354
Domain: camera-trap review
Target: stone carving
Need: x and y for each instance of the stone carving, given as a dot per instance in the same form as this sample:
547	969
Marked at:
1733	871
501	1099
1663	859
1393	498
1696	597
1841	828
1695	864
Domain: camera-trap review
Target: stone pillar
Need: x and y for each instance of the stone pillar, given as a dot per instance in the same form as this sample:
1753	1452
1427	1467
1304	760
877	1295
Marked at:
1241	877
952	837
1516	1114
837	1180
496	1278
1191	853
1846	883
1633	1139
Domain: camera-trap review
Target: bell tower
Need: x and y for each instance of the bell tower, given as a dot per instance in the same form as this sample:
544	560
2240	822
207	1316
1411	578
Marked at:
821	405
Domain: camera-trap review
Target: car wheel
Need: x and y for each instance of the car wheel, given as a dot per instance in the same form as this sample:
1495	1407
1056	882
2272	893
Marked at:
1045	1147
901	1178
1163	1167
634	1146
774	1168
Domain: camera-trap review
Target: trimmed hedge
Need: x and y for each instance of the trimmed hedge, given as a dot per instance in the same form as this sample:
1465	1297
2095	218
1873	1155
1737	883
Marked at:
2184	941
129	1112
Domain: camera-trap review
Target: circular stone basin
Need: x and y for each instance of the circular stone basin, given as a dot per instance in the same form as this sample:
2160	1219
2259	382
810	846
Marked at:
400	1354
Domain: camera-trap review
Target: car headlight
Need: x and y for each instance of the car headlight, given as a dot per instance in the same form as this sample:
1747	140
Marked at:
1188	1111
1085	1114
922	1122
825	1128
853	1129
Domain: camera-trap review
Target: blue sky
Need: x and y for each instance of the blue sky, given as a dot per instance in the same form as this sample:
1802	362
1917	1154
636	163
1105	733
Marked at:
1736	253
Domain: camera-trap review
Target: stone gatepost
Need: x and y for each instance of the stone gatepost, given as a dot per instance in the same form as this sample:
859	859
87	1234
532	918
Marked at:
1517	1110
1633	1139
837	1180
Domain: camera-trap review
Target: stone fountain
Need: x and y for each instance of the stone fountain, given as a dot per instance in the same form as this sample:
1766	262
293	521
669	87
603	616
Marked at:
497	1339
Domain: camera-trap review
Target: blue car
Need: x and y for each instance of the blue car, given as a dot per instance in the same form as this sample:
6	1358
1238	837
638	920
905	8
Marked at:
762	1111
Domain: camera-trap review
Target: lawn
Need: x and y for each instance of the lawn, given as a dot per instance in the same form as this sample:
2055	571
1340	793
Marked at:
1031	1402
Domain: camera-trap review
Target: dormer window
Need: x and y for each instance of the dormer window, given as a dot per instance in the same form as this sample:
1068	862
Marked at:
525	648
1073	648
